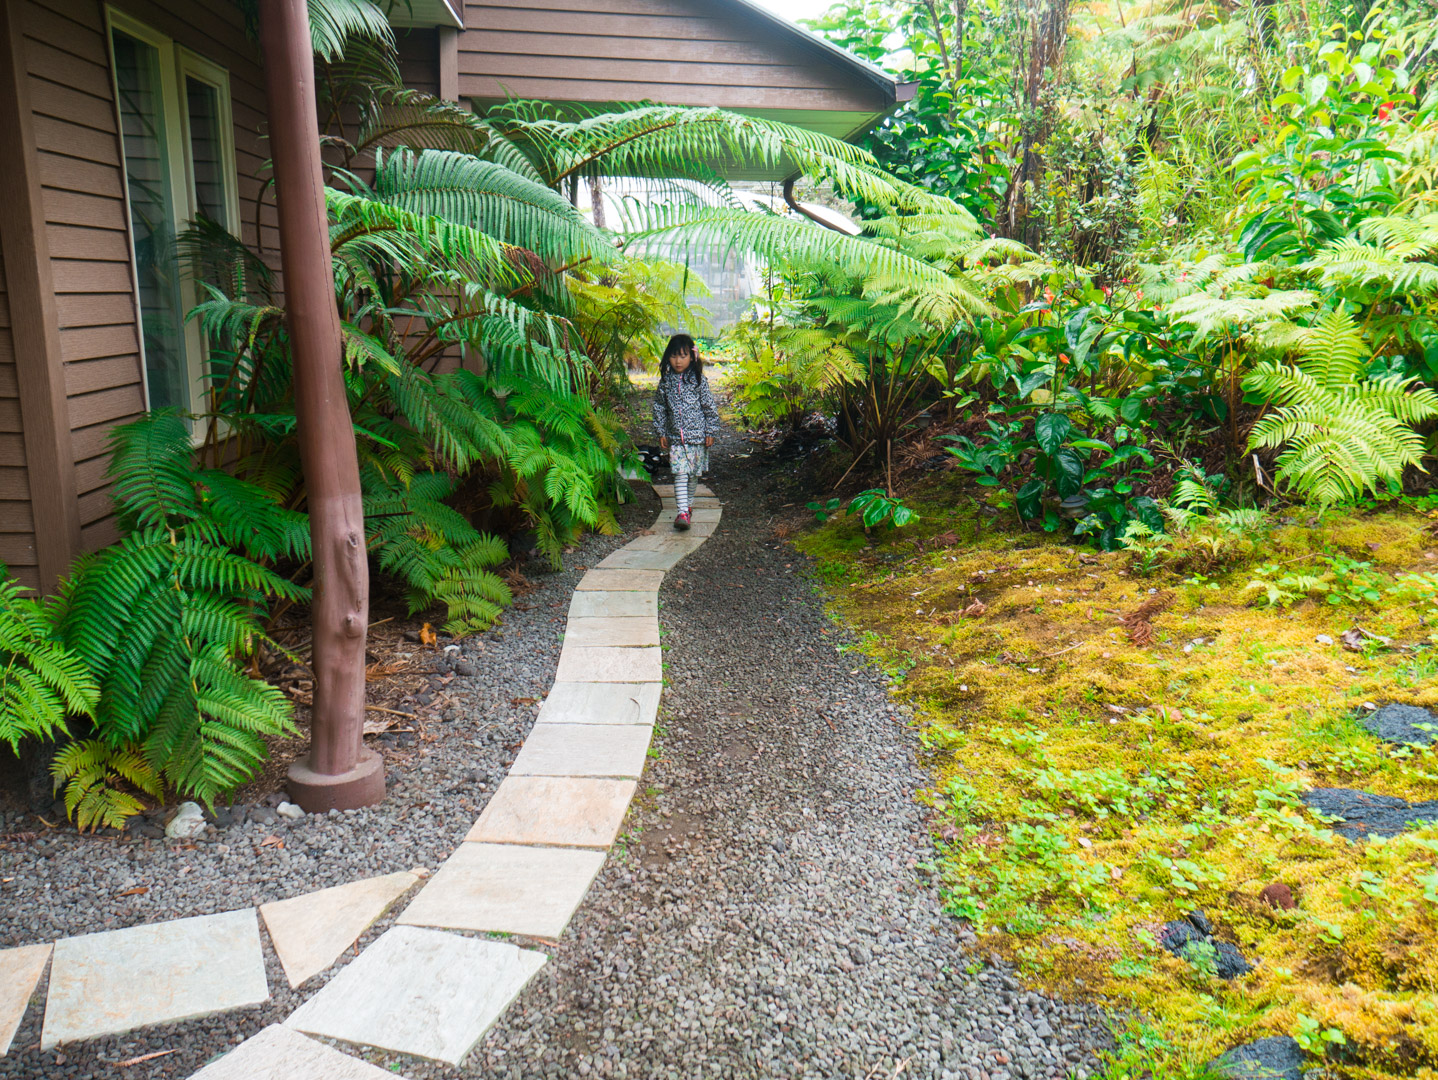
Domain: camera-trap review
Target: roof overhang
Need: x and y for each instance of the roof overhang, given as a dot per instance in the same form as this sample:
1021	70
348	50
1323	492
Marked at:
865	71
411	14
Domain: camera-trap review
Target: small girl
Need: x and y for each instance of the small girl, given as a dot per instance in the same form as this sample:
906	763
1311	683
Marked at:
685	417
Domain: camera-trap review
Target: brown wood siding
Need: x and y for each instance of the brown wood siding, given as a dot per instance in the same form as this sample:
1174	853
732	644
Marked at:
682	52
419	59
17	523
72	98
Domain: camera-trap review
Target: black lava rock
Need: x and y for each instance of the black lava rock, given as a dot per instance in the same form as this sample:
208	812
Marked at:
1399	724
1363	814
1277	1057
1175	935
1231	963
1179	935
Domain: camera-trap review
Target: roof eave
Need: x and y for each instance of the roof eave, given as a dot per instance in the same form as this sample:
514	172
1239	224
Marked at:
409	14
875	76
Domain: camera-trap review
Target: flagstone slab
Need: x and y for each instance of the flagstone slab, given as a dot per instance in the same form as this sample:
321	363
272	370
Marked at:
311	932
506	888
671	505
119	980
584	750
612	630
281	1053
600	703
663	490
638	559
606	663
554	810
20	971
621	581
706	515
421	992
667	539
585	605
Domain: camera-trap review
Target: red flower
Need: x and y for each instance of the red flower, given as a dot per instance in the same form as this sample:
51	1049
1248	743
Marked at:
1386	110
1048	294
1063	358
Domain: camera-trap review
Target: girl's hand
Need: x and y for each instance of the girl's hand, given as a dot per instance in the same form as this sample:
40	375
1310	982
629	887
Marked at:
708	440
663	442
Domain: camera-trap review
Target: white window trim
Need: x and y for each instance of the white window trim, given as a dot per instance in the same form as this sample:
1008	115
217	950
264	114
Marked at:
176	64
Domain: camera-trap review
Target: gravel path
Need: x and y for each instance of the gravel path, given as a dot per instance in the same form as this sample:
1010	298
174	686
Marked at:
765	918
768	919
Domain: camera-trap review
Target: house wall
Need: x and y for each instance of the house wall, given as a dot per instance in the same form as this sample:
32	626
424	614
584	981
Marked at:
17	523
681	52
75	126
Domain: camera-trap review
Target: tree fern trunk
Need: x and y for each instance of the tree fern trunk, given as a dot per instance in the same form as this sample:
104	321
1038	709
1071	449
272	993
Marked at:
338	772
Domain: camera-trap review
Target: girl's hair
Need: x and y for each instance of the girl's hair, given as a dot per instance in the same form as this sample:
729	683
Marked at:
677	344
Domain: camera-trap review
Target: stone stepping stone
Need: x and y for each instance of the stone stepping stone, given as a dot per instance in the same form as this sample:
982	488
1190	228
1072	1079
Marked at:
621	581
625	605
707	516
553	810
280	1053
667	490
637	559
584	750
420	992
506	888
702	529
668	540
311	932
1401	724
600	703
20	971
612	630
707	502
119	980
1363	814
607	663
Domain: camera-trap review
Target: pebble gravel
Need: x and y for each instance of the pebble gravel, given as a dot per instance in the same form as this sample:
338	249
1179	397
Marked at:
765	914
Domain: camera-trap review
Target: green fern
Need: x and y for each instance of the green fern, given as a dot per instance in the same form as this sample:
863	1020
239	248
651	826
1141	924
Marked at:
92	772
1344	434
40	680
435	550
166	617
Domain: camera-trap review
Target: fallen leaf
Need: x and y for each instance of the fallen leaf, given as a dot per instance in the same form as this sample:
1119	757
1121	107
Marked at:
272	841
138	890
427	636
975	609
144	1058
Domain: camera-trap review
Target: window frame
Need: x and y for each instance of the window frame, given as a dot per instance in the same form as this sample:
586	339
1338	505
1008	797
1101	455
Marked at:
176	64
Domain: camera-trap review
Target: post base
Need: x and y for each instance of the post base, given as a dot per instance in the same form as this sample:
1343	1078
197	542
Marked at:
316	793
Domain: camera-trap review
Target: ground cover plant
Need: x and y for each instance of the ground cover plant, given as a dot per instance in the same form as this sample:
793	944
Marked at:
1113	748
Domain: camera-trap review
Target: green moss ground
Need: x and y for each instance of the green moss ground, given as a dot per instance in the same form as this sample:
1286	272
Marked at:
1086	789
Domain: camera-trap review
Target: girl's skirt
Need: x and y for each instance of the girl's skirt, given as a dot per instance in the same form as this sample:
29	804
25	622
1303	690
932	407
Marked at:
688	459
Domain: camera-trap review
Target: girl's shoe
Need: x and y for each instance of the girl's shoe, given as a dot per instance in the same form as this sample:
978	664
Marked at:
682	521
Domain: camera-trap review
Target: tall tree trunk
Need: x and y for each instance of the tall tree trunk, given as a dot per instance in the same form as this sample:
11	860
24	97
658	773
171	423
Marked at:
1045	36
338	772
596	200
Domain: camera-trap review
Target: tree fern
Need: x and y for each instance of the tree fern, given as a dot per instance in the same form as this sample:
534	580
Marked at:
1343	434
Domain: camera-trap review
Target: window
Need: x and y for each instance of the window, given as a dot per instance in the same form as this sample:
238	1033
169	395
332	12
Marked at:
178	145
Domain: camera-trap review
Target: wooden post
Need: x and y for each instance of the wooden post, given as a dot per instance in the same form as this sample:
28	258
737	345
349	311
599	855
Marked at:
338	772
35	322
